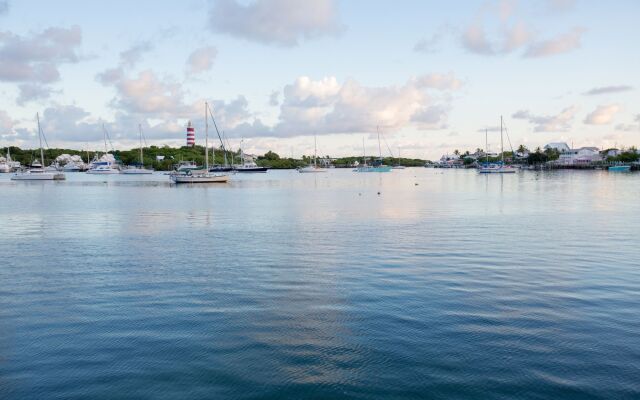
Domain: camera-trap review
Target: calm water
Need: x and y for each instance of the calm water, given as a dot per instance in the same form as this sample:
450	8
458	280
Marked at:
444	285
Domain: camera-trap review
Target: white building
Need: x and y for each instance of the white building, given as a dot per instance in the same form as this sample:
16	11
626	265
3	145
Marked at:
581	156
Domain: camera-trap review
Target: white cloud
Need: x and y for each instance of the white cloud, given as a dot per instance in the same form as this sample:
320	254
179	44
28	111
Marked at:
561	44
281	22
4	7
201	60
602	115
146	93
560	122
326	106
439	81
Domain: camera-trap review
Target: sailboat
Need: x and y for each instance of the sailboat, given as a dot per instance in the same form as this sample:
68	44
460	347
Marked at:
500	168
37	173
103	166
201	175
312	168
138	169
377	165
398	165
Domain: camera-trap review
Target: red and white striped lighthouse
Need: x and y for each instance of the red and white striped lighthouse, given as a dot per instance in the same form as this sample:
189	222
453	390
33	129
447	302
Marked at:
191	135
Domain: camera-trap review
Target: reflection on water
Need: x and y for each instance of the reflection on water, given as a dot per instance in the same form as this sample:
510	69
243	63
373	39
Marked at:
414	284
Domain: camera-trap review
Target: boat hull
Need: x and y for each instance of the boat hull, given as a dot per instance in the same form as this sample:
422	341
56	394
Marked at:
137	171
103	172
221	169
252	170
204	178
43	176
374	169
311	170
620	168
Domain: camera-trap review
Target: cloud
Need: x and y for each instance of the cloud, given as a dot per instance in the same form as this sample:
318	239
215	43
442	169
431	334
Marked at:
602	115
561	44
274	98
549	123
4	7
201	60
144	93
439	81
608	90
326	106
6	124
38	57
33	91
475	40
131	56
280	22
556	6
430	45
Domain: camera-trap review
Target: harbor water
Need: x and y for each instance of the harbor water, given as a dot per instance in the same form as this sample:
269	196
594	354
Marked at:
414	284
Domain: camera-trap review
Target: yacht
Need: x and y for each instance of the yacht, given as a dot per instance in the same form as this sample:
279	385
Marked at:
103	165
398	165
36	172
185	166
313	168
102	168
496	168
248	166
201	175
71	167
138	169
377	165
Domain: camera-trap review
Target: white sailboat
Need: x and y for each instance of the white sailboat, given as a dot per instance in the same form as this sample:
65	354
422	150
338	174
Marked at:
313	168
398	165
500	168
138	169
37	173
201	175
103	166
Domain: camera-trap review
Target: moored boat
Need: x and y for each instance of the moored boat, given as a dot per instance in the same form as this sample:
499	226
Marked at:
37	172
201	175
620	168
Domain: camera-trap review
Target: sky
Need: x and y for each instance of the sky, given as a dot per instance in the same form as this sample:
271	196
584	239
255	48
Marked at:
430	76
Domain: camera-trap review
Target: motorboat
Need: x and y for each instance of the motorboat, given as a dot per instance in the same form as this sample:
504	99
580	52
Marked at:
620	168
103	168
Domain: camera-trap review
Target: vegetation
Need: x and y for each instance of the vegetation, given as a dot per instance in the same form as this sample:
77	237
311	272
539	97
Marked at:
627	156
173	155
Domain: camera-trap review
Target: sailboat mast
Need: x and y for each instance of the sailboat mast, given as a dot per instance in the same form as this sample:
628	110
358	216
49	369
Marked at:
206	136
501	141
40	139
104	136
486	144
379	147
364	153
315	150
141	157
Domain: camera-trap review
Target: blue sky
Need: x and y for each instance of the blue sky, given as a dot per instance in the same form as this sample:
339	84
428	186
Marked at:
431	75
